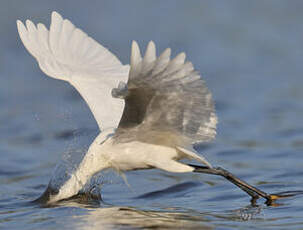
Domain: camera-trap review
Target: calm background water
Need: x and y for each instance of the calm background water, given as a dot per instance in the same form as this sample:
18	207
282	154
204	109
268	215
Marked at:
249	53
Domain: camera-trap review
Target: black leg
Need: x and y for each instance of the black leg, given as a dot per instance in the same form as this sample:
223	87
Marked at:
254	192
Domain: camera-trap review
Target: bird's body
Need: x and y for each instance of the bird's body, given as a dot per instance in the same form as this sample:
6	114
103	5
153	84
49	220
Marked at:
167	108
105	153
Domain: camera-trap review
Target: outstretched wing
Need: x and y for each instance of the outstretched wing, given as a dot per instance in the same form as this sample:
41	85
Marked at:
166	101
67	53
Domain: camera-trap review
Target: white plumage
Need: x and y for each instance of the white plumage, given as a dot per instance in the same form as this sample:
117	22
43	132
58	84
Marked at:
67	53
168	107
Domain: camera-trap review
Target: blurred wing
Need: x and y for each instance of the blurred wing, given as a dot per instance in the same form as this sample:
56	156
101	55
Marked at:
67	53
166	101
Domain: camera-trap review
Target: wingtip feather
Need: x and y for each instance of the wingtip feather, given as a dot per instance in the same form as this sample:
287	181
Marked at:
41	26
150	53
22	32
135	54
180	58
29	24
19	23
165	56
56	16
21	28
166	52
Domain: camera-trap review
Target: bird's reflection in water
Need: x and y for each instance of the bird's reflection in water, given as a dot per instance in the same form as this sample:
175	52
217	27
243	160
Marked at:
130	218
104	216
113	217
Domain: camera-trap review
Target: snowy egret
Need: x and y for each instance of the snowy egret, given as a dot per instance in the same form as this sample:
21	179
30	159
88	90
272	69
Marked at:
150	114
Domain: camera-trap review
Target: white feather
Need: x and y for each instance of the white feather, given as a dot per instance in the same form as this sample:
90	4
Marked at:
150	54
135	59
162	61
67	53
135	54
149	57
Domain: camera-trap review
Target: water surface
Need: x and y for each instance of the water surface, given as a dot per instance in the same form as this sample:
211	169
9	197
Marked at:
249	53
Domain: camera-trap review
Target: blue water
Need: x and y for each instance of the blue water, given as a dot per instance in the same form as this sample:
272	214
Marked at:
249	53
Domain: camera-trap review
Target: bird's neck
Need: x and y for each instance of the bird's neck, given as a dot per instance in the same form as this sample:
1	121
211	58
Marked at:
95	160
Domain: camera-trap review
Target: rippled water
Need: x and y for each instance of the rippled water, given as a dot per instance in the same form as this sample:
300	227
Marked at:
249	52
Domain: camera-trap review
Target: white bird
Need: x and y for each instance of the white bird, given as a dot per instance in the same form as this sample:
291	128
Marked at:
167	105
